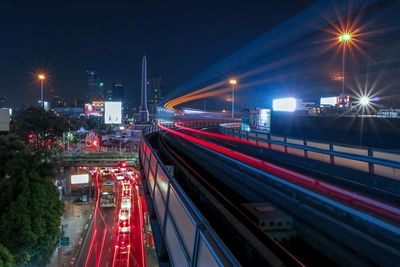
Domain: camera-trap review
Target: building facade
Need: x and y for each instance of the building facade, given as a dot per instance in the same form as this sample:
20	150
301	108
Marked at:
153	94
95	88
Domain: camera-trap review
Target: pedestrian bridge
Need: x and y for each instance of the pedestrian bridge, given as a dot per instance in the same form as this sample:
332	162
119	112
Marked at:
96	159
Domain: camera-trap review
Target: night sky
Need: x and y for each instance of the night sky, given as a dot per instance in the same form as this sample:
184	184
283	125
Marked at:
179	38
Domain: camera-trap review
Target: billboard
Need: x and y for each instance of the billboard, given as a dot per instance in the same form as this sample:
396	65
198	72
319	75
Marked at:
4	120
260	119
245	119
112	112
95	108
329	101
80	179
284	104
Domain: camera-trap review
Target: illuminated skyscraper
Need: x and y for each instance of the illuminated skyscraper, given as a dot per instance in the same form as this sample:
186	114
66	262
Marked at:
94	87
108	94
153	94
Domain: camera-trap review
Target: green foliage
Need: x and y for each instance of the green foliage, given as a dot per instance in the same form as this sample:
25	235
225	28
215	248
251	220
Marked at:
44	127
30	208
6	258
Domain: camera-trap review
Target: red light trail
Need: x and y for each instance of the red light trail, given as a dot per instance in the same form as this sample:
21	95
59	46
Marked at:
323	188
101	247
141	227
129	242
90	247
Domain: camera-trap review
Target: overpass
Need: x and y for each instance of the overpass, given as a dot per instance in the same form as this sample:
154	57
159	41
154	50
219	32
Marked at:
69	163
96	159
334	213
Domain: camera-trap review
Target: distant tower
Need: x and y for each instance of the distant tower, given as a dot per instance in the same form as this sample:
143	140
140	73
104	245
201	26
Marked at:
94	86
143	116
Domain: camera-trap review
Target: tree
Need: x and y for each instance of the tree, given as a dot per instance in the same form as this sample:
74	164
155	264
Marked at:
6	258
30	209
41	130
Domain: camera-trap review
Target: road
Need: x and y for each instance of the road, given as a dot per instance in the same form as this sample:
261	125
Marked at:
101	246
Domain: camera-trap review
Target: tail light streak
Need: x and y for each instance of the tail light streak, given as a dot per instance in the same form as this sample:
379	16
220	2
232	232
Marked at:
101	247
316	185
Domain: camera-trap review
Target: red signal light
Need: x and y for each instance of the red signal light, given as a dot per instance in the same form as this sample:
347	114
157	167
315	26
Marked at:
123	164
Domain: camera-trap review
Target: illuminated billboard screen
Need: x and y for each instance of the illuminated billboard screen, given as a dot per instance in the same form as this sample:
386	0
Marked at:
260	119
112	112
328	101
80	179
95	108
284	104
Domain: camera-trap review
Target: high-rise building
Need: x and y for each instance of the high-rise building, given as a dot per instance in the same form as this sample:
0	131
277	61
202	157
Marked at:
108	94
118	91
153	94
95	87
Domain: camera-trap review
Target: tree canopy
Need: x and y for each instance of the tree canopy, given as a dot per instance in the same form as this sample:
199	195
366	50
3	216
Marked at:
30	209
6	258
41	130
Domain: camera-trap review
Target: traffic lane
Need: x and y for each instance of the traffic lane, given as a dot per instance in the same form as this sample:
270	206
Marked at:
82	256
137	244
133	238
85	246
107	253
97	247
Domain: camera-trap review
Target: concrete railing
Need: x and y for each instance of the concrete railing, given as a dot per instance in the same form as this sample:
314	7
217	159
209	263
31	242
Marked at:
371	160
188	237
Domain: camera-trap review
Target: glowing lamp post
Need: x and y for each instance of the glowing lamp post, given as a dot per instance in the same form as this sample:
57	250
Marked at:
344	38
41	78
233	82
364	101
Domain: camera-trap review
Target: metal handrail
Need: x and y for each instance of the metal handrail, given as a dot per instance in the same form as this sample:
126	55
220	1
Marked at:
369	159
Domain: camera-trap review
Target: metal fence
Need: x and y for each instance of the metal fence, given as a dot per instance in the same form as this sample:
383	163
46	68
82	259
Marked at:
189	239
371	160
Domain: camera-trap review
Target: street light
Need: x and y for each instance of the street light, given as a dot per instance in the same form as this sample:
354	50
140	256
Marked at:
344	38
364	101
233	82
41	78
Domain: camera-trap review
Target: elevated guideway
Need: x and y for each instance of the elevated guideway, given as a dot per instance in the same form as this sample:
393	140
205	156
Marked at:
314	210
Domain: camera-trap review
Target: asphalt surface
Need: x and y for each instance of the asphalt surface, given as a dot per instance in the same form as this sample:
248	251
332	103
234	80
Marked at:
99	245
93	242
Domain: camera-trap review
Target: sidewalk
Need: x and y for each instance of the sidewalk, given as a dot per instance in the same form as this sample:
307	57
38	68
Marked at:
75	223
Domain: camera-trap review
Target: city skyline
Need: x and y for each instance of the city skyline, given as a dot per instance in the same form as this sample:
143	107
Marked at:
85	45
200	133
